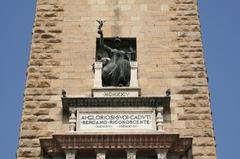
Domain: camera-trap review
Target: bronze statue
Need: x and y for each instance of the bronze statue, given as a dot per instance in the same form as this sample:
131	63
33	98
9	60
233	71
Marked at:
116	67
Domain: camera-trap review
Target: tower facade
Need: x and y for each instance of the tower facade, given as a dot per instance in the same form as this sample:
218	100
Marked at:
132	84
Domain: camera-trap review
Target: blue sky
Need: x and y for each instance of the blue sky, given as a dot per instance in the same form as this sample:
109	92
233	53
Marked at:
220	20
220	31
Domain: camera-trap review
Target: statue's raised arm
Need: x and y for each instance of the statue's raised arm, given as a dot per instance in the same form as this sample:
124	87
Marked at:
100	32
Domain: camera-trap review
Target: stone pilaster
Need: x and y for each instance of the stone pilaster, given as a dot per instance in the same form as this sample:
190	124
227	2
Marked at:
159	119
72	121
133	80
98	75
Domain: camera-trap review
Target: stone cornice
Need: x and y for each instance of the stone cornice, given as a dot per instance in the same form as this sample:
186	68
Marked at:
78	102
62	142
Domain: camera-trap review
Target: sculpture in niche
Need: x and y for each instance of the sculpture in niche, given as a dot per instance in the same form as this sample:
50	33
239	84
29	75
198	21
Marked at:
116	63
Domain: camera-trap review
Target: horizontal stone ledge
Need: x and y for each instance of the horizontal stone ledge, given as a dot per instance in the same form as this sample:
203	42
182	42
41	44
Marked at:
70	102
61	142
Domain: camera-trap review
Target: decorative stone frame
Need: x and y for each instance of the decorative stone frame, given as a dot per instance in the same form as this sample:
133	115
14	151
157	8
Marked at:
100	53
157	106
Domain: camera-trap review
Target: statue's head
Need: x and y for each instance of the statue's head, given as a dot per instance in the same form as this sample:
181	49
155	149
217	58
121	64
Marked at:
117	42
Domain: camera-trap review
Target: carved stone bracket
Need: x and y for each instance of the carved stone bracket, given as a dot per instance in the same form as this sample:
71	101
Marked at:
159	119
161	154
71	154
131	154
100	154
72	121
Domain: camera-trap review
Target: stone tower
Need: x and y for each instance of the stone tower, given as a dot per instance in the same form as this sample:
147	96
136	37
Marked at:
159	109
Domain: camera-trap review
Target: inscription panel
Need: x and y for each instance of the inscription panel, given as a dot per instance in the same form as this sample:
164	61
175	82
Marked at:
116	93
110	121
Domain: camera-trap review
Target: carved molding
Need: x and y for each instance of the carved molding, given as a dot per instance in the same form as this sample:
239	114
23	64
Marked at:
68	102
100	154
131	153
72	121
161	154
70	154
167	142
159	119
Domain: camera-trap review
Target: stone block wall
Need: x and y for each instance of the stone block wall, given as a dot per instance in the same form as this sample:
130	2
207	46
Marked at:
169	55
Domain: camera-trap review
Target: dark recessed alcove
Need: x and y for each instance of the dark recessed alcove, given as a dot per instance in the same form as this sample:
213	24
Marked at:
126	44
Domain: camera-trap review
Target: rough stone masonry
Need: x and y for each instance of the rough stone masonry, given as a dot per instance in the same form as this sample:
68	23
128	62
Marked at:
169	55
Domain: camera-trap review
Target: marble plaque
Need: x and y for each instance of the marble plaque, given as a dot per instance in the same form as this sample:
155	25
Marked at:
113	120
116	92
